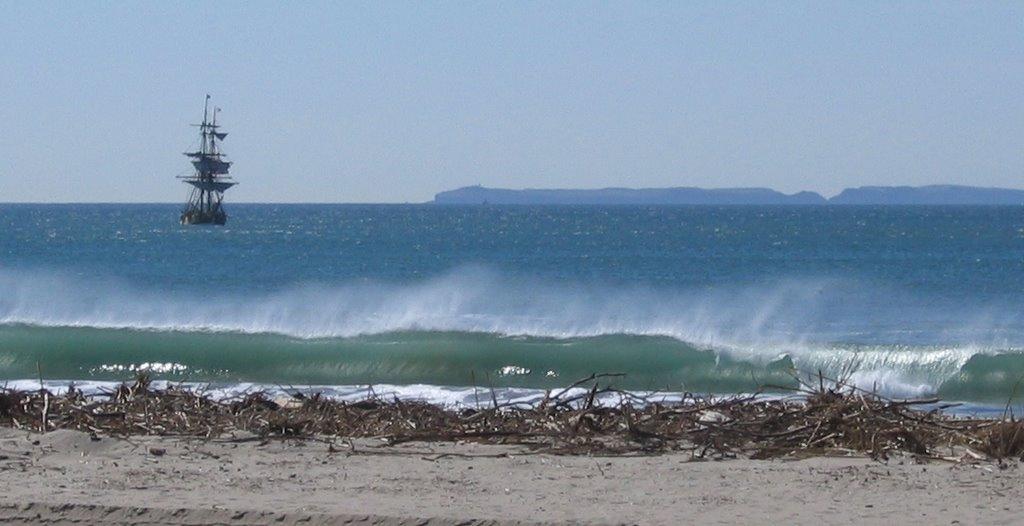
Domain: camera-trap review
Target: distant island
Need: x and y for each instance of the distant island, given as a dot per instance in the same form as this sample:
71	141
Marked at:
865	195
627	196
940	194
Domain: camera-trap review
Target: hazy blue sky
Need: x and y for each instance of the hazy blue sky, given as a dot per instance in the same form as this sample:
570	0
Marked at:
392	102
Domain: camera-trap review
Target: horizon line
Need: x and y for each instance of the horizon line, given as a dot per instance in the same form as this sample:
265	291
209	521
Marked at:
524	189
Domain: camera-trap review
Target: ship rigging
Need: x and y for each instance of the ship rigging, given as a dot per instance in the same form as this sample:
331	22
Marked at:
211	179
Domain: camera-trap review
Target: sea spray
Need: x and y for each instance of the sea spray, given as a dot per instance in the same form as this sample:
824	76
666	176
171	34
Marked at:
755	319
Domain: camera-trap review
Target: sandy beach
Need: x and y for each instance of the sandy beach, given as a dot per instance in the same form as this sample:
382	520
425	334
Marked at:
66	477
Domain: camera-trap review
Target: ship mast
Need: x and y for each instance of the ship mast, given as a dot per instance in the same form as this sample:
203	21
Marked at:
211	178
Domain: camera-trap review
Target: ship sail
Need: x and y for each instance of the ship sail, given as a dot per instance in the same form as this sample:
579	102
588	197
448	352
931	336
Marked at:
211	186
211	164
210	180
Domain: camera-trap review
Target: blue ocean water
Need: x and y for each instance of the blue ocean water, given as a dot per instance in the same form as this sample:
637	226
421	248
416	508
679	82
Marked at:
915	300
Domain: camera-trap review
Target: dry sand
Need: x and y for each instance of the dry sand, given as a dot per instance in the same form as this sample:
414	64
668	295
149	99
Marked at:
65	477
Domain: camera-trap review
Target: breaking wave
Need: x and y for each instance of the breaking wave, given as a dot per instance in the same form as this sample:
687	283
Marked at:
477	326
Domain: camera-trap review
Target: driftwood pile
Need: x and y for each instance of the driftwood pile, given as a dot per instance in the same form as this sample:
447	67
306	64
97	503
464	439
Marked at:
824	420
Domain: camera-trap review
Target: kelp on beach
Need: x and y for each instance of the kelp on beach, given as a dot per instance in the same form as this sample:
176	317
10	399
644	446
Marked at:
828	418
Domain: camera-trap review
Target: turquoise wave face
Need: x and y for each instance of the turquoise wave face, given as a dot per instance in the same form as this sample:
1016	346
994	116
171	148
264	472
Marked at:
996	378
435	358
483	359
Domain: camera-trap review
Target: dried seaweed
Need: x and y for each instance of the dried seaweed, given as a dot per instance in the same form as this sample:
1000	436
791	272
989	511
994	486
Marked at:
824	419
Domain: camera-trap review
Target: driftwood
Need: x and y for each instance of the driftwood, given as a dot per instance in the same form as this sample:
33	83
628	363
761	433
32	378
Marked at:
823	420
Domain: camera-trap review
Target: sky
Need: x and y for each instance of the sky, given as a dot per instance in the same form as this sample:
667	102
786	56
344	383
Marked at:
395	101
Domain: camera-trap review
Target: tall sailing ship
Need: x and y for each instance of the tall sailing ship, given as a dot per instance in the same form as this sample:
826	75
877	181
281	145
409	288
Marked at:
211	179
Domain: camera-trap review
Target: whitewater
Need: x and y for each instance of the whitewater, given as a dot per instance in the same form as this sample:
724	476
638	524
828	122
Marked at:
913	301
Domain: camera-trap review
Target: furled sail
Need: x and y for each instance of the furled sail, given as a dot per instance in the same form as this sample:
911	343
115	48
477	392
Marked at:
210	186
209	164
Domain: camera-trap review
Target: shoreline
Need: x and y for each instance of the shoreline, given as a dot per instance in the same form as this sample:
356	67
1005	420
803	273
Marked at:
588	417
66	476
449	396
146	455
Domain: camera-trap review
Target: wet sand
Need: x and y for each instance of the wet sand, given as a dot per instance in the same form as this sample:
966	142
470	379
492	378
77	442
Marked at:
66	477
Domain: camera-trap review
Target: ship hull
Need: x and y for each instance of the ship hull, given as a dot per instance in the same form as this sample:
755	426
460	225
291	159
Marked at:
201	218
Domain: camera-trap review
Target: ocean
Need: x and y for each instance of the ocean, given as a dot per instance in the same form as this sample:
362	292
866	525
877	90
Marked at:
439	302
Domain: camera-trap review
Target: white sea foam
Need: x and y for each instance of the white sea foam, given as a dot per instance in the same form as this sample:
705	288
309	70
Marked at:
447	396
